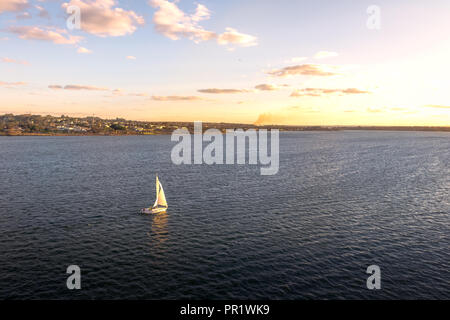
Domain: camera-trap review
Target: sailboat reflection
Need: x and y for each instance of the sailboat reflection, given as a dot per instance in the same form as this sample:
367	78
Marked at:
159	228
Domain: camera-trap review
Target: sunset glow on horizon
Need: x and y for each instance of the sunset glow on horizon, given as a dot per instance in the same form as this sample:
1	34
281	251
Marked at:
265	62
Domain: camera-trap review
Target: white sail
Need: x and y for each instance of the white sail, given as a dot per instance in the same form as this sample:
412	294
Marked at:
157	192
160	196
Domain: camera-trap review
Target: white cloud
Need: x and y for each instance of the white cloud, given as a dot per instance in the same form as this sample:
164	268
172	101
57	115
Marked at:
170	21
173	23
55	87
11	84
83	50
176	98
201	13
78	87
317	92
304	69
58	36
234	37
102	18
220	91
270	87
9	60
13	5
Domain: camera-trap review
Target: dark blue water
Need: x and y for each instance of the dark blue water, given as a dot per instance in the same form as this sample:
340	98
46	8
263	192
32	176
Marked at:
341	201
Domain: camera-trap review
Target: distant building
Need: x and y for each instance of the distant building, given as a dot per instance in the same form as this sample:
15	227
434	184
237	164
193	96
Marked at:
14	131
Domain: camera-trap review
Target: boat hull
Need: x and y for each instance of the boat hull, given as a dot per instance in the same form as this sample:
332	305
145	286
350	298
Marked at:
153	210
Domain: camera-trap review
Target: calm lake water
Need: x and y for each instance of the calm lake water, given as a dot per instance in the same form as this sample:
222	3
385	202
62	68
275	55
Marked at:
341	201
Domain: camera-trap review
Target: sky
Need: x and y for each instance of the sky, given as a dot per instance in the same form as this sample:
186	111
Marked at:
284	62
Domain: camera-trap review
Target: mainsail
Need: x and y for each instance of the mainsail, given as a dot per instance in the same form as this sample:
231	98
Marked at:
160	196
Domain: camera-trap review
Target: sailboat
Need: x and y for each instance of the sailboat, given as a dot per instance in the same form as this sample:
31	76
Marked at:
160	204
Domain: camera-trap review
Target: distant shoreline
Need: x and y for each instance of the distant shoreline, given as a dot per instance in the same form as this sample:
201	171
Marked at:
327	129
37	125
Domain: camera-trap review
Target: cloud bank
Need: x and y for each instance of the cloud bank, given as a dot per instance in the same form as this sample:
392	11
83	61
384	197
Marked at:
13	5
11	84
77	87
102	18
173	23
317	92
220	91
176	98
303	69
55	35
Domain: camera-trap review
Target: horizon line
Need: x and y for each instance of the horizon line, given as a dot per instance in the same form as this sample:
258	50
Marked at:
237	123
